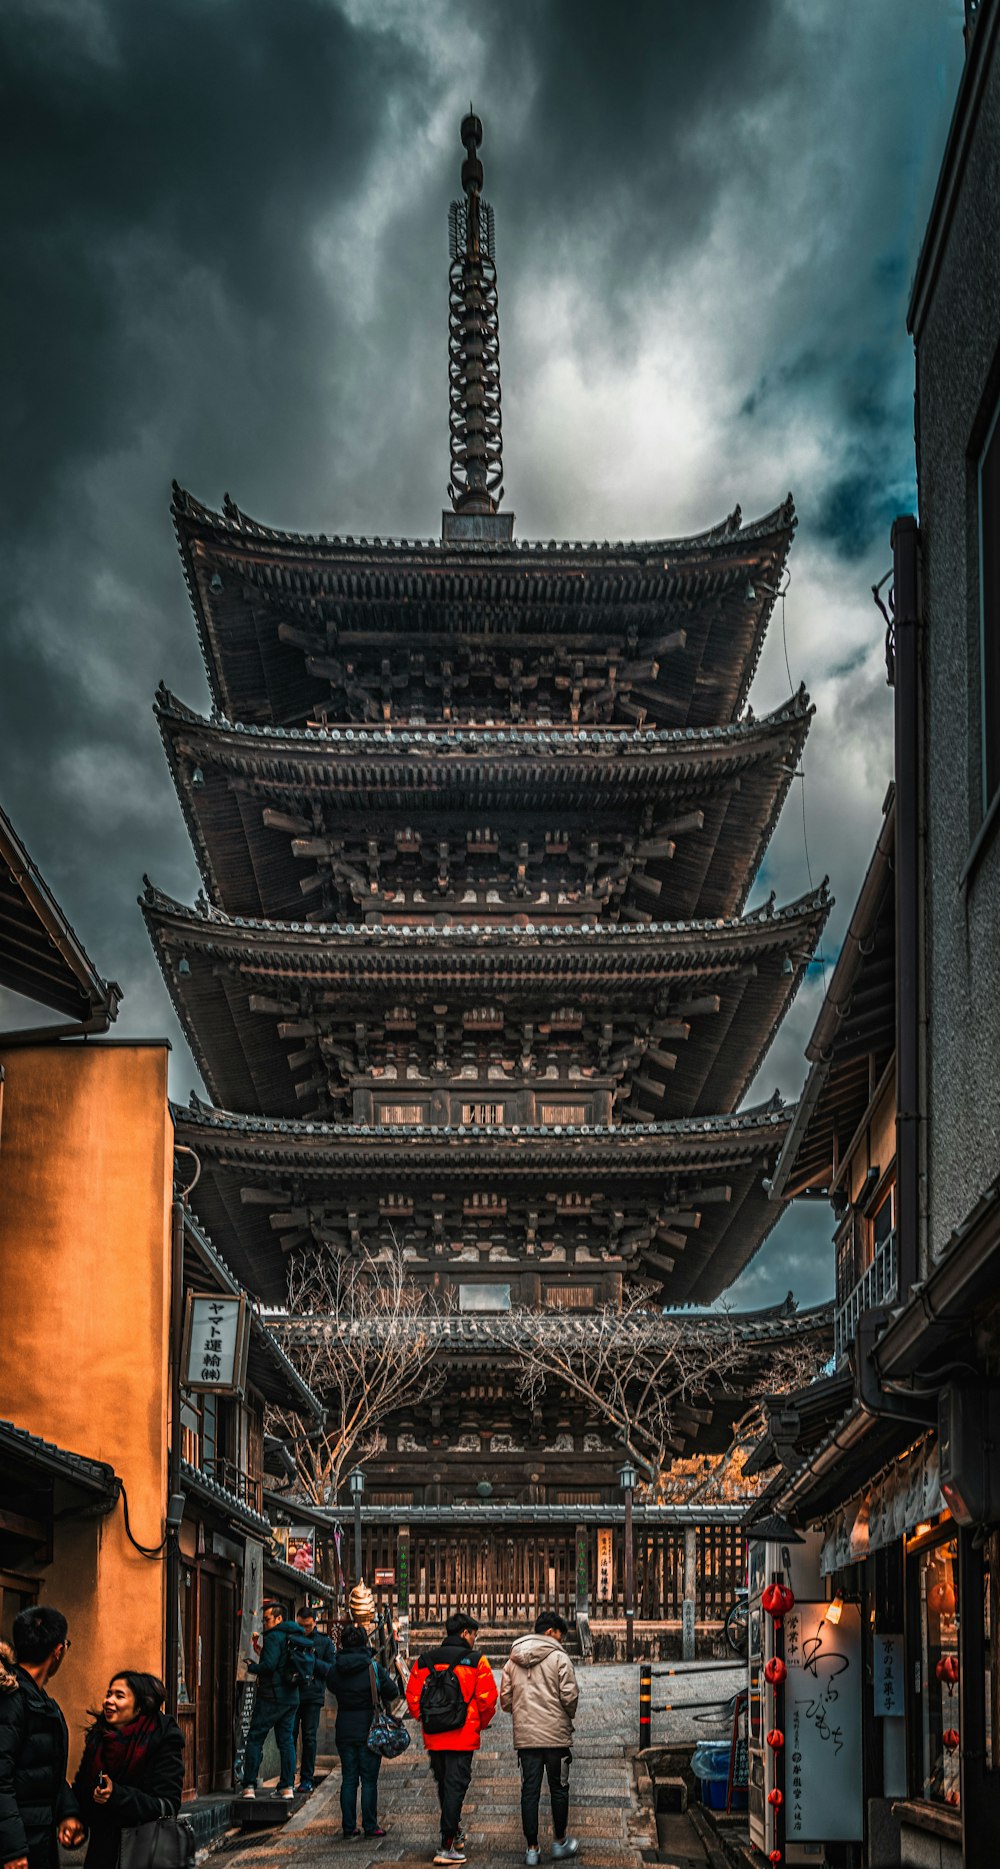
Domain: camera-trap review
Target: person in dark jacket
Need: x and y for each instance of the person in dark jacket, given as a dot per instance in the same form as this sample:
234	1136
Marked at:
311	1693
132	1768
34	1795
350	1679
276	1702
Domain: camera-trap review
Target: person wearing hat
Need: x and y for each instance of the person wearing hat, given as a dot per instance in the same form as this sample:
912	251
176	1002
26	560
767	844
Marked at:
311	1693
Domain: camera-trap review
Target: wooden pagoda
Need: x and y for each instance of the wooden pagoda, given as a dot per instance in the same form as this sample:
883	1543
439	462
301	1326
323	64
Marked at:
477	820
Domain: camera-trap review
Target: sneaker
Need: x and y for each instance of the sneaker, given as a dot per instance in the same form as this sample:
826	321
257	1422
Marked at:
306	1785
460	1840
249	1791
377	1832
568	1846
532	1856
286	1792
452	1855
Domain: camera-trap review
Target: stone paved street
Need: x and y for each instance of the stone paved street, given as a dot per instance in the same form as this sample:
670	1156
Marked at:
604	1810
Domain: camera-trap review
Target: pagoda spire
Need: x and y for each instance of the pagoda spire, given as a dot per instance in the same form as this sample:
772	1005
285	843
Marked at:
473	341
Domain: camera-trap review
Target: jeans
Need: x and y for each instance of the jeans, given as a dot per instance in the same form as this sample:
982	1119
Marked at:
357	1762
281	1715
554	1762
307	1723
452	1776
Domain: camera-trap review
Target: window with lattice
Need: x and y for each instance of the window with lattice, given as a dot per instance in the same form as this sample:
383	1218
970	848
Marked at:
486	1115
570	1297
408	1115
565	1113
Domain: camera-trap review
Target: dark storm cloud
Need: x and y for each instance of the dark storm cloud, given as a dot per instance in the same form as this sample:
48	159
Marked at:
224	234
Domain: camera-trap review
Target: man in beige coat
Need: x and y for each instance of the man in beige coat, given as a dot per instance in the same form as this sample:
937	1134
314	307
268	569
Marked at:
539	1687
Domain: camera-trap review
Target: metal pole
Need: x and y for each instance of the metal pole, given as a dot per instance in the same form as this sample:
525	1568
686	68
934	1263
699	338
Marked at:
358	1558
645	1705
629	1581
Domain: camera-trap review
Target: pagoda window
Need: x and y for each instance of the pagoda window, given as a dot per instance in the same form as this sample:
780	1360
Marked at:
569	1297
391	1499
492	1297
578	1499
412	1115
571	1113
486	1115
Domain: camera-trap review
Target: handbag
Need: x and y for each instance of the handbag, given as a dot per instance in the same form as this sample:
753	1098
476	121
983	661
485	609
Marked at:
387	1736
165	1842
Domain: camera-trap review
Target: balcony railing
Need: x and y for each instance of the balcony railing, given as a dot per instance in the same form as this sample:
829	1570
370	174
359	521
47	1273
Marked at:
877	1285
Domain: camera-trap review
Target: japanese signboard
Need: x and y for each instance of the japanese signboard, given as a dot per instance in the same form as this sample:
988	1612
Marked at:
216	1341
888	1657
385	1579
605	1565
822	1725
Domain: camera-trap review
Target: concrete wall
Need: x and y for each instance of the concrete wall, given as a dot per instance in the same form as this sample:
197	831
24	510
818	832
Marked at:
85	1182
956	353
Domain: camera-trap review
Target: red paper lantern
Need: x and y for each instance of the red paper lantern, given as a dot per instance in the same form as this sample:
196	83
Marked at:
776	1799
942	1598
775	1856
951	1797
775	1739
777	1600
950	1739
775	1671
947	1669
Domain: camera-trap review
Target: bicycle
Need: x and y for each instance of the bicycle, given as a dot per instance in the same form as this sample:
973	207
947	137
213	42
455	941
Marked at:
737	1623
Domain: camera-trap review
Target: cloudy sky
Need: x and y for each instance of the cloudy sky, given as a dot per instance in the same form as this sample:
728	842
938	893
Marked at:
226	262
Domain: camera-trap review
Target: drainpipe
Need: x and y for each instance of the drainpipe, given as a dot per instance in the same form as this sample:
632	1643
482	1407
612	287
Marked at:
908	628
173	1554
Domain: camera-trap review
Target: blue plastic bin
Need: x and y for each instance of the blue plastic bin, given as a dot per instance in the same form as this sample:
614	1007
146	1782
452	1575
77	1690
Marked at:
710	1765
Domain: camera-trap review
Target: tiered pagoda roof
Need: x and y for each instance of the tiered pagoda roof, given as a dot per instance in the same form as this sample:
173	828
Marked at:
477	822
673	1019
482	823
685	1199
294	627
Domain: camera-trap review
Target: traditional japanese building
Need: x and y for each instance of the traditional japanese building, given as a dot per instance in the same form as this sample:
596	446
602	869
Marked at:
477	821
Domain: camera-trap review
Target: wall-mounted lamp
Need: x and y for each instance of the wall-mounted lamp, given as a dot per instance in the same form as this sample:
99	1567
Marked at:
835	1610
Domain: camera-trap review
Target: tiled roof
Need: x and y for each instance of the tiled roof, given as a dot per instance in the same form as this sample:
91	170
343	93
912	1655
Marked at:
94	1476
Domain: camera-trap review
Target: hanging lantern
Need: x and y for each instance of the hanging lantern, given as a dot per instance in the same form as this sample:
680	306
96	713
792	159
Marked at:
776	1799
942	1598
775	1739
950	1739
775	1671
777	1600
775	1856
947	1669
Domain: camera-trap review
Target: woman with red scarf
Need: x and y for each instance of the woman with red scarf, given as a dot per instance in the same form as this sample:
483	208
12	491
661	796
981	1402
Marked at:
132	1768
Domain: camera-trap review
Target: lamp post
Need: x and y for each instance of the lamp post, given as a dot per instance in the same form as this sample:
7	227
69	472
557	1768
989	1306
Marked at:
626	1480
356	1482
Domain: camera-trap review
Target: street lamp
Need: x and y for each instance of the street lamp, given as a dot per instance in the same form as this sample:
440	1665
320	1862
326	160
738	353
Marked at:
356	1482
626	1480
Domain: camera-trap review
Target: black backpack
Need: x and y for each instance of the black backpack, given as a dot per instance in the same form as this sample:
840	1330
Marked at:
298	1668
443	1705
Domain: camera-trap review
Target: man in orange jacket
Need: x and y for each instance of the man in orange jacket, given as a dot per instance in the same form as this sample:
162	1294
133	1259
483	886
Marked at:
459	1701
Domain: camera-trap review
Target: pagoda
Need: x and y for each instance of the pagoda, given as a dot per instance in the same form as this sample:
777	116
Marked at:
477	820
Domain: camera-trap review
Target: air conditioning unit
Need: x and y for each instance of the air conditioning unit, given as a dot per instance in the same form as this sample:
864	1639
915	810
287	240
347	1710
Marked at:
969	1451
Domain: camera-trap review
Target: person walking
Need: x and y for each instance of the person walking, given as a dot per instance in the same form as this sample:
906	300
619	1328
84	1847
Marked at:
131	1771
452	1692
34	1743
276	1702
355	1678
311	1693
539	1688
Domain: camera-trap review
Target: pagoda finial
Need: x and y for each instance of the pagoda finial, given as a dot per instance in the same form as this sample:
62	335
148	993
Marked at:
473	341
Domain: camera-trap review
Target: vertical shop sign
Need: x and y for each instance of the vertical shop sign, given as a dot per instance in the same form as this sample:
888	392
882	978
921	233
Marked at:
888	1673
605	1564
824	1801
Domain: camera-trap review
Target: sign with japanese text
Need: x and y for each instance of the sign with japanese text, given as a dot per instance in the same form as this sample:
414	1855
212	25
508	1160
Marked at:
216	1340
385	1579
888	1674
822	1725
605	1565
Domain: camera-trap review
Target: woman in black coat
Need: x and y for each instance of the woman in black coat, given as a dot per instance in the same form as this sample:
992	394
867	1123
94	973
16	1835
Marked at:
132	1768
